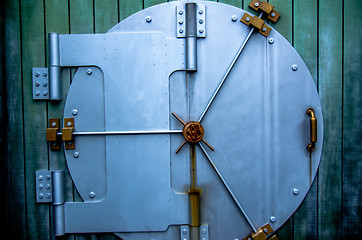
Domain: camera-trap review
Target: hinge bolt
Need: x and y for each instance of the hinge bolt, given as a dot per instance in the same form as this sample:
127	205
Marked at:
92	194
40	186
181	31
48	195
203	231
89	71
37	84
201	30
45	74
37	93
40	177
180	22
272	219
295	191
148	19
181	12
37	74
76	154
48	186
201	12
201	21
45	93
48	177
184	231
234	18
74	112
271	40
41	196
45	84
295	67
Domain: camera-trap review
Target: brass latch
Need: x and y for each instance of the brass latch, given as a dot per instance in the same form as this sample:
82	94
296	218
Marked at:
53	134
261	234
257	22
313	129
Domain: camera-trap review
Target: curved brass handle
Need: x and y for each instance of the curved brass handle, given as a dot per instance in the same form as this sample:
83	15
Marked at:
313	129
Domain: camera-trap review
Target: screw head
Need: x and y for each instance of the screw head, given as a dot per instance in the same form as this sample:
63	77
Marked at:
271	40
45	93
201	21
264	29
184	231
37	74
181	31
180	12
201	12
41	196
248	19
45	84
92	194
76	154
272	15
45	74
295	67
69	143
180	22
48	177
256	4
272	219
48	186
69	124
53	124
48	195
89	71
265	230
234	18
40	177
40	186
201	30
74	112
37	84
203	231
37	93
148	19
295	191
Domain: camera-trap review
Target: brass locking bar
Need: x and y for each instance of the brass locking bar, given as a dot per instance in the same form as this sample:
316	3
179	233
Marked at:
261	234
313	129
265	7
52	134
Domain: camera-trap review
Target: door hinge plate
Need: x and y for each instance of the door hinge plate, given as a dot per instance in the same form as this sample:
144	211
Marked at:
40	84
44	184
200	20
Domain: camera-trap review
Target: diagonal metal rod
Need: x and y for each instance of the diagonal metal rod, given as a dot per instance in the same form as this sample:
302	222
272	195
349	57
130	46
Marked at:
228	71
228	188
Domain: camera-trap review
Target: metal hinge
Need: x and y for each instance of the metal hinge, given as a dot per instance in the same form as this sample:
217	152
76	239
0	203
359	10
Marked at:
47	81
203	232
258	23
182	24
50	189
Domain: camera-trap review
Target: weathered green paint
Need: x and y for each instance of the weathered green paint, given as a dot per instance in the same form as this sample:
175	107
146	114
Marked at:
330	90
352	116
305	31
330	210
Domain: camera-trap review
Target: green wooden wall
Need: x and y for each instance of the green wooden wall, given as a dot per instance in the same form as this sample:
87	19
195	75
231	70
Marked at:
327	35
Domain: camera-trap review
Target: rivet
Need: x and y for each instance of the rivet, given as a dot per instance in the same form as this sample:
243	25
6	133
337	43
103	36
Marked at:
37	74
248	19
201	12
40	186
45	84
89	71
37	93
45	74
234	18
181	31
74	112
203	231
76	154
92	194
40	177
272	15
295	67
180	12
45	93
48	177
180	22
201	30
48	186
201	21
48	195
264	29
148	19
295	191
265	230
69	124
53	124
256	4
37	84
41	196
271	40
184	231
272	219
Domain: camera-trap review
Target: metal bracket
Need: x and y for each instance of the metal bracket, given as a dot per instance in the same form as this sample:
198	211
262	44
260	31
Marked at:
67	133
261	233
204	232
52	134
40	84
266	8
181	21
185	232
44	184
257	23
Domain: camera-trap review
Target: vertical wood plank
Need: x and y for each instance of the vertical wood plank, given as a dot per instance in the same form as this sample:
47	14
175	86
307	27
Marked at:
235	3
36	154
16	211
105	15
330	90
305	37
149	3
127	8
57	20
285	27
352	116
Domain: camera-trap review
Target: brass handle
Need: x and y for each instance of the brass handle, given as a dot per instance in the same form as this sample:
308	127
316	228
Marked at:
313	129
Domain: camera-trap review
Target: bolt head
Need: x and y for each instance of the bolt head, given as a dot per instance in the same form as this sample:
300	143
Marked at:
45	84
37	74
74	112
89	71
184	231
76	154
264	29
37	93
45	74
69	124
271	40
295	67
37	84
40	186
40	177
180	22
295	191
201	21
148	19
53	124
234	18
49	195
248	19
201	12
272	15
256	4
45	93
201	30
92	194
272	219
203	231
41	196
48	186
180	12
181	31
265	230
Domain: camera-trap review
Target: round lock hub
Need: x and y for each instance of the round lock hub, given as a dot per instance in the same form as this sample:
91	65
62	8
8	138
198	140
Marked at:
193	132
